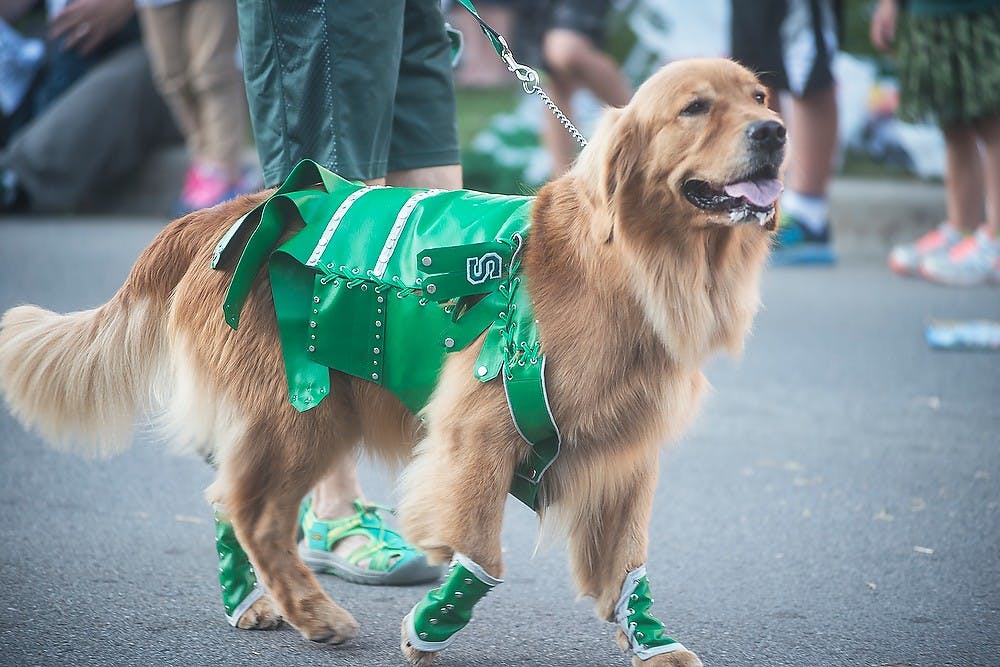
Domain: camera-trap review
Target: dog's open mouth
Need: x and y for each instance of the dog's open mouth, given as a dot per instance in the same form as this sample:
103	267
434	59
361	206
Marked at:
745	200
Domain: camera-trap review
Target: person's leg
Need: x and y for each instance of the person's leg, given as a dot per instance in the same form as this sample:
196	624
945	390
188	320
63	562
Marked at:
976	260
93	137
572	56
963	178
163	37
963	199
811	151
988	130
805	38
210	38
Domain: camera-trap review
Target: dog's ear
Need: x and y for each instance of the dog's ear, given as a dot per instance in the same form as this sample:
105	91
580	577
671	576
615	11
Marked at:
619	169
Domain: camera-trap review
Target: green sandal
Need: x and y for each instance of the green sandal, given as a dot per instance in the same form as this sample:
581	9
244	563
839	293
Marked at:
391	560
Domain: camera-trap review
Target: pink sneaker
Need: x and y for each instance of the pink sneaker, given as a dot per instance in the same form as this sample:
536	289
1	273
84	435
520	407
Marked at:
205	185
906	259
974	261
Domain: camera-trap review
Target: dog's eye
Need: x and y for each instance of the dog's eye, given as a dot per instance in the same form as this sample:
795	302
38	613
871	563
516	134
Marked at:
759	96
695	108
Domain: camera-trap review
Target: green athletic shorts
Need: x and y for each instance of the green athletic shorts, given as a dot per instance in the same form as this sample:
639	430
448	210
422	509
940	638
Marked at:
363	87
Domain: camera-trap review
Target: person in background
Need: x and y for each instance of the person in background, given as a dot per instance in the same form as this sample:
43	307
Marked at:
948	55
192	47
86	115
365	88
565	37
791	45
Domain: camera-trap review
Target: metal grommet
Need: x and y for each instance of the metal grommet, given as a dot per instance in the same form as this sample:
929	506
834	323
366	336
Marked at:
374	376
312	324
378	323
431	288
449	342
376	350
426	261
315	299
312	348
468	581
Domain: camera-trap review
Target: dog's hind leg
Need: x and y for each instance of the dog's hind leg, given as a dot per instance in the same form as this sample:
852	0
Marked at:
608	543
265	476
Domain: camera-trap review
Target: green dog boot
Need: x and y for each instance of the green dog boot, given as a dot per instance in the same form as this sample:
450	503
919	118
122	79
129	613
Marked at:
240	588
645	633
433	623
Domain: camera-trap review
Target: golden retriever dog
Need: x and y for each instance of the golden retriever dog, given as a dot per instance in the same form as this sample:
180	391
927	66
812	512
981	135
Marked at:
644	259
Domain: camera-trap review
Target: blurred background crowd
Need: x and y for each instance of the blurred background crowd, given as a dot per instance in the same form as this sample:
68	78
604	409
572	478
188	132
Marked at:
98	96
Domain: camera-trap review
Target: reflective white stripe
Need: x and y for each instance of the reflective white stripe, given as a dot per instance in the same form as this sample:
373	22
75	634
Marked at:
647	653
397	230
226	238
476	570
256	594
334	222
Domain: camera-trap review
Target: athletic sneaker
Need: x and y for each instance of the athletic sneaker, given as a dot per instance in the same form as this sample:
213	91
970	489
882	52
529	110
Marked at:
974	261
206	185
906	259
797	244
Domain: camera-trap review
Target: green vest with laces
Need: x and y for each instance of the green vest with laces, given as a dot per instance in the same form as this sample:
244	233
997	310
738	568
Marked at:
382	283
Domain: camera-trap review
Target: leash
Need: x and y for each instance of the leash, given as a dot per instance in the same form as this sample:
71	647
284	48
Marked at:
527	76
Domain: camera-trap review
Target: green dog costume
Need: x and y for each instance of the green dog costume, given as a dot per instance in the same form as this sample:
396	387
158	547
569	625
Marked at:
382	283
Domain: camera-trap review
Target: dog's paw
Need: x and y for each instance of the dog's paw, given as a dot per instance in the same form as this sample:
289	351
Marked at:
412	655
674	659
262	615
326	623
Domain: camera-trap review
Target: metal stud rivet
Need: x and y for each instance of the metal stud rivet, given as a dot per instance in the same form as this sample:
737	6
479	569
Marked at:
380	299
312	348
364	287
374	376
449	342
315	312
431	289
423	635
433	621
458	594
378	323
468	581
482	370
312	323
426	261
315	299
376	350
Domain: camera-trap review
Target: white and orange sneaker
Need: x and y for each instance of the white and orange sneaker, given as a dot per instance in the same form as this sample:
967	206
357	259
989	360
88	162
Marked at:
906	259
974	261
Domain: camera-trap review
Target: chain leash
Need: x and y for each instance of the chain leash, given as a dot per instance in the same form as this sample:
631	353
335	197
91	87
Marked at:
529	81
527	76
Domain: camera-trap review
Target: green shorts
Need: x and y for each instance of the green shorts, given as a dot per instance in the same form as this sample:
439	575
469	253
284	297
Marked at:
363	87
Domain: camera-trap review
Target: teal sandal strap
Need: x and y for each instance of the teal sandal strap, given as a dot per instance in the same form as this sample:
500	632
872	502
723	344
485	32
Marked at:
384	549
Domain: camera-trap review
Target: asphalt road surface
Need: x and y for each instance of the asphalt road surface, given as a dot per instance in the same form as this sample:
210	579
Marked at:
836	503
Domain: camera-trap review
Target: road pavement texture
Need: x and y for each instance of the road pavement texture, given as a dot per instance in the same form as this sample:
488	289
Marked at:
836	503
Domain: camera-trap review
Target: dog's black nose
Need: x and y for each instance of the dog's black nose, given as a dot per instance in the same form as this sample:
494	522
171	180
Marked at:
767	134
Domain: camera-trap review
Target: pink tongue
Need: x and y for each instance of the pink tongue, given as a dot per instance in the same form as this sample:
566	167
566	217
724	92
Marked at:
758	193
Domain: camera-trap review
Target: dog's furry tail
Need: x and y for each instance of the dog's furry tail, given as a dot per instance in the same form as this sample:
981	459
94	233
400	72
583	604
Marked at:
80	379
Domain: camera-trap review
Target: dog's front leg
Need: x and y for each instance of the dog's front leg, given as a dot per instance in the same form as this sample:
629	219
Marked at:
608	541
452	505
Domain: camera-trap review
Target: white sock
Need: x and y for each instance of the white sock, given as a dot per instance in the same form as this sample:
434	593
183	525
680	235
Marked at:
812	212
